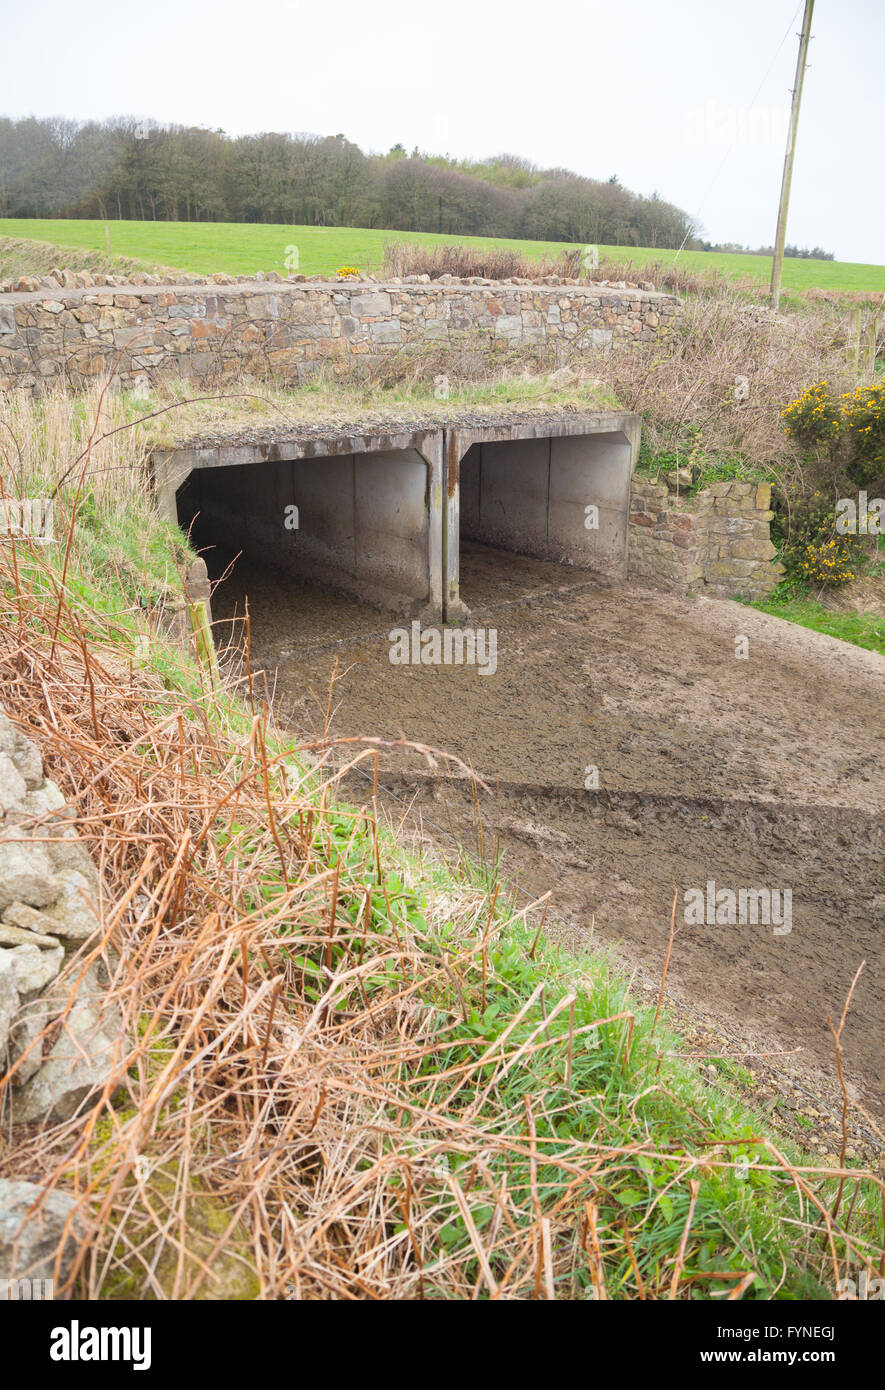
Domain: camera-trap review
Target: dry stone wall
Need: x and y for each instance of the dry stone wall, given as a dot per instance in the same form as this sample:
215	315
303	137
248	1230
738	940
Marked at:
718	541
64	329
57	1033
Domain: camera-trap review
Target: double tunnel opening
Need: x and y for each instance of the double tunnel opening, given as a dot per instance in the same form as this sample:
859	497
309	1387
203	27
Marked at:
383	518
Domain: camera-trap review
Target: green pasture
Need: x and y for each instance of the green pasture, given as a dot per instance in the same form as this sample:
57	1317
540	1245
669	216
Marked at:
243	248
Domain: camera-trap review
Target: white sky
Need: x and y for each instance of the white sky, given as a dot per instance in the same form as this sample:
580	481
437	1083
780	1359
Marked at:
652	90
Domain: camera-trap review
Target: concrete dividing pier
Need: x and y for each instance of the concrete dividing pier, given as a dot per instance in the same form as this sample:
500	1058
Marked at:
379	515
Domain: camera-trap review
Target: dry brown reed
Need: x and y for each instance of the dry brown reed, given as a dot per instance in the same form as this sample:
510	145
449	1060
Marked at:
491	262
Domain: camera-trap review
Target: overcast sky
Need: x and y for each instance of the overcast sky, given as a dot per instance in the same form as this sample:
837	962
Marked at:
659	92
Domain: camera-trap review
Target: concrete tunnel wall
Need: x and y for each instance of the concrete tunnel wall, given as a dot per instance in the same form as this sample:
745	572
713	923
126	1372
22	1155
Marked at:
532	495
363	521
381	515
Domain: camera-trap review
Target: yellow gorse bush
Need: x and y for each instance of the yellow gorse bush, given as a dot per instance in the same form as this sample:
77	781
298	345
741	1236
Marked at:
827	562
855	421
863	415
813	416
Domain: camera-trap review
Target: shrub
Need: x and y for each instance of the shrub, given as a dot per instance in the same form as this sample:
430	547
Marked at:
811	552
863	416
487	262
845	433
676	277
688	379
813	418
828	562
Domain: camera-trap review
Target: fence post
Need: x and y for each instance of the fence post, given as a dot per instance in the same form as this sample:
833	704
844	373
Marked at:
198	591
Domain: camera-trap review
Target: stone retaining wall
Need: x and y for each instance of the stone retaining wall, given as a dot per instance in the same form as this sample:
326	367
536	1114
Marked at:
57	1037
62	1046
718	541
215	329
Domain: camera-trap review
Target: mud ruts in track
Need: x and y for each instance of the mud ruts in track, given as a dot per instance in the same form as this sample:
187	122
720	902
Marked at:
763	772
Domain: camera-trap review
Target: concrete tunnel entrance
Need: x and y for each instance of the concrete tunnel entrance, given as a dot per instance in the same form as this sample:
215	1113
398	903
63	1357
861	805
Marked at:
558	490
381	517
356	523
358	515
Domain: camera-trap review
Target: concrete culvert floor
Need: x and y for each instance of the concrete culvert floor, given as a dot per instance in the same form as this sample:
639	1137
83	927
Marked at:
764	772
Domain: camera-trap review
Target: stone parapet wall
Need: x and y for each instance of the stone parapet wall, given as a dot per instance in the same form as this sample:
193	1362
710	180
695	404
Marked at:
216	329
718	541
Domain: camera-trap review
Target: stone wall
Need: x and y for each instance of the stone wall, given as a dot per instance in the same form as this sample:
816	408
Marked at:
62	1047
64	329
57	1036
718	541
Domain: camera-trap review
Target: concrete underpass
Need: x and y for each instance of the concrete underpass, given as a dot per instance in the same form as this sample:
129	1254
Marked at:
379	516
751	772
361	517
562	496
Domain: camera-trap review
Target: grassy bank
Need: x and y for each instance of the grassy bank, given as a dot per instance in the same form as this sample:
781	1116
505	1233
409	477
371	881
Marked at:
386	1077
22	256
863	629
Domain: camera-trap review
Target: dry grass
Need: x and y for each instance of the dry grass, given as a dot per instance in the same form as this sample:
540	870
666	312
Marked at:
675	277
403	258
40	437
502	263
685	385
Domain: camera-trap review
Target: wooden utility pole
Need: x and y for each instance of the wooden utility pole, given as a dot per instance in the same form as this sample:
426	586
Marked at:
778	262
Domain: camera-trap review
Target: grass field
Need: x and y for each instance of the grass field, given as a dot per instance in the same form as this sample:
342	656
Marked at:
243	248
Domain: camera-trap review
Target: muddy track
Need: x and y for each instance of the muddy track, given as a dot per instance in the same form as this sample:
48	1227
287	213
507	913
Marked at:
612	860
747	773
833	818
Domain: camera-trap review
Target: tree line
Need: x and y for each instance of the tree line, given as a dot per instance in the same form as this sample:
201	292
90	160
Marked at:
802	253
128	169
